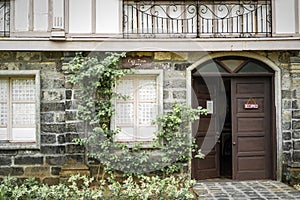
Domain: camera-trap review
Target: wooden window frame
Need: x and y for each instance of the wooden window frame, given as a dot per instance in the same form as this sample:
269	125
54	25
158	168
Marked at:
139	74
23	74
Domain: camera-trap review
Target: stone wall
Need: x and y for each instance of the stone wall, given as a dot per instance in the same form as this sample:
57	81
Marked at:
59	124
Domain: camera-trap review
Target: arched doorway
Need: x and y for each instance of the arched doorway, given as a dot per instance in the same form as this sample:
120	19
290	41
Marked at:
240	126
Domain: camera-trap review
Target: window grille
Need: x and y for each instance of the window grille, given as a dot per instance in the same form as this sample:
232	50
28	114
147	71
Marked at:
4	18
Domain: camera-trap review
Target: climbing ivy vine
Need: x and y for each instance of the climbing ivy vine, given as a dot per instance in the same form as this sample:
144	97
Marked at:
173	146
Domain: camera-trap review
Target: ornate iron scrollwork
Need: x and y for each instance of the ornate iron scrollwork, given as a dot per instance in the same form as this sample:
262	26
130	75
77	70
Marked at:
198	18
4	18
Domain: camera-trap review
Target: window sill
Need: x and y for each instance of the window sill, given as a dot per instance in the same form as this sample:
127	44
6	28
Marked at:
6	145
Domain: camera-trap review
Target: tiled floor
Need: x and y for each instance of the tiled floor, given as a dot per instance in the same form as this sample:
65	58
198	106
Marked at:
244	190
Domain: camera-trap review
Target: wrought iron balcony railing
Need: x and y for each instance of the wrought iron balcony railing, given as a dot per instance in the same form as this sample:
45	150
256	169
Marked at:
4	18
193	19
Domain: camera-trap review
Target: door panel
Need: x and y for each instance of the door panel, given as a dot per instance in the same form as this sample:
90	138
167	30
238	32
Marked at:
251	128
207	133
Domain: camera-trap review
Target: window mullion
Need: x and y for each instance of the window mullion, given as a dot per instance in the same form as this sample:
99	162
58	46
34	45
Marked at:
135	107
10	113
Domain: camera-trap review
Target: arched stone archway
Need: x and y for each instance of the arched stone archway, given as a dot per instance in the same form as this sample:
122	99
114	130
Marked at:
276	97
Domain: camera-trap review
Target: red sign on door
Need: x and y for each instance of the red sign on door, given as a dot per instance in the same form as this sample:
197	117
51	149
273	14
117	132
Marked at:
251	104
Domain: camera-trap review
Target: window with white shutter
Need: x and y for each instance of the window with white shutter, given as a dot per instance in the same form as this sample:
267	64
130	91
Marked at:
19	110
135	114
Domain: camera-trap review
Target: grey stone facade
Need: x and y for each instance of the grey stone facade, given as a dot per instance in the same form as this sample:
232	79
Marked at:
59	125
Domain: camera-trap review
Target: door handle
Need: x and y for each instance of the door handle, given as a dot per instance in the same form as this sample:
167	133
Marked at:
233	143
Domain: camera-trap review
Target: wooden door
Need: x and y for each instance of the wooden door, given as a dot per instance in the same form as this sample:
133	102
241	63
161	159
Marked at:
252	128
207	131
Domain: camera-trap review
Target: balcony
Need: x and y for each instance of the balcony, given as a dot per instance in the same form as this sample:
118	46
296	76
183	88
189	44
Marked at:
4	18
197	19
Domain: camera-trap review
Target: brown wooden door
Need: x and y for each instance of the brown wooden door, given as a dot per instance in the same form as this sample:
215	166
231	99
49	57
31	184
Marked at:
207	131
251	128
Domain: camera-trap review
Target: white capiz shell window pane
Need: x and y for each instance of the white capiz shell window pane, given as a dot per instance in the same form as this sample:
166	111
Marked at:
3	114
146	133
126	134
23	134
24	114
126	87
23	90
3	90
125	113
3	134
147	113
147	90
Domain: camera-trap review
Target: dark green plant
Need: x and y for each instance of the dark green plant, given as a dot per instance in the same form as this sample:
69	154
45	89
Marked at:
95	80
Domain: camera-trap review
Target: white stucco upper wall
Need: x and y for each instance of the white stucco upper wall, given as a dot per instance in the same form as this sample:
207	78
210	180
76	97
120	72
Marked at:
286	19
85	17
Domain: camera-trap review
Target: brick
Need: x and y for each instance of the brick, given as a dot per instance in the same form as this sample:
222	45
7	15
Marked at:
51	181
69	137
46	107
8	152
286	126
52	149
296	156
286	104
296	145
5	160
11	171
286	157
71	115
286	94
295	104
296	135
53	128
60	117
48	139
28	160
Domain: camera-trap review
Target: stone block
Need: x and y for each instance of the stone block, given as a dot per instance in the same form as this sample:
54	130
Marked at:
179	56
68	94
51	181
296	124
286	94
46	107
296	104
179	94
48	138
286	157
175	83
39	66
47	117
296	156
160	56
53	128
55	160
61	139
55	171
11	171
286	115
54	95
296	114
52	56
182	66
60	117
28	160
286	104
286	125
71	115
28	56
286	146
73	127
59	83
286	136
144	53
38	171
11	66
58	149
8	152
74	148
296	145
296	135
69	137
5	160
7	56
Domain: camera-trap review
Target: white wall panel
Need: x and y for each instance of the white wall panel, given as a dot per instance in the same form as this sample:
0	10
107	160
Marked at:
40	15
58	13
22	15
108	16
80	17
285	17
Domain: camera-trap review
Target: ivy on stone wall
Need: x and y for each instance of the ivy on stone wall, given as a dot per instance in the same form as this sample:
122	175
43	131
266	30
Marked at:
173	146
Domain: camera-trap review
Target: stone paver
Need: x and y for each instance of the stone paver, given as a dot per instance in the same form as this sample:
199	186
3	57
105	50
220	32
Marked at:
245	190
